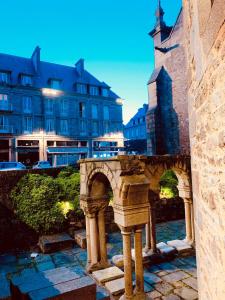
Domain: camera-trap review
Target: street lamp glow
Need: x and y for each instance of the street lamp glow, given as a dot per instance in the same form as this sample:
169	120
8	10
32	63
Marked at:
51	92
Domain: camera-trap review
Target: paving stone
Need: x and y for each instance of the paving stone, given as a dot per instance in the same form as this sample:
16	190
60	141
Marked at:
42	258
192	282
61	259
154	295
151	278
168	267
191	260
162	273
171	297
148	288
116	287
178	284
164	288
55	242
176	276
5	293
165	249
107	274
80	238
102	294
190	270
180	245
79	289
117	260
45	266
186	293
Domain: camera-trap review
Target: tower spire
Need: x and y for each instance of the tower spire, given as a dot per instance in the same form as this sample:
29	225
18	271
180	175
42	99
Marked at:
159	15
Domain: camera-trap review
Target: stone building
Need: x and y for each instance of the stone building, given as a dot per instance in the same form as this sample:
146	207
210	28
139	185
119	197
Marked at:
135	132
205	36
55	112
167	117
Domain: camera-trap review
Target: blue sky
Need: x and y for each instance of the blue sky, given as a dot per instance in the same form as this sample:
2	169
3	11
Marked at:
111	35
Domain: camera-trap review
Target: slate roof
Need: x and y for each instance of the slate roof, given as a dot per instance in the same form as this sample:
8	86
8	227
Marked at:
140	114
68	75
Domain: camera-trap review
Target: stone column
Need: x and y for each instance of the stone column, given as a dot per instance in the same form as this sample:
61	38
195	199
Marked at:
148	237
88	240
153	228
102	239
192	223
139	289
93	239
188	219
127	264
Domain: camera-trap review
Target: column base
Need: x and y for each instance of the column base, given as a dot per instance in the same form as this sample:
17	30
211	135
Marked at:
141	296
98	266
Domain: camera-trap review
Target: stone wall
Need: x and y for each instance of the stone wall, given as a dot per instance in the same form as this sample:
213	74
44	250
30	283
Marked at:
205	30
8	179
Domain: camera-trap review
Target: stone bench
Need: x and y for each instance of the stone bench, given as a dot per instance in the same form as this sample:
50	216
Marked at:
55	242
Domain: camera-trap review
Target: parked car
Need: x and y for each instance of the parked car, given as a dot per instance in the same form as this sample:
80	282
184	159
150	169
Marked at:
10	166
42	165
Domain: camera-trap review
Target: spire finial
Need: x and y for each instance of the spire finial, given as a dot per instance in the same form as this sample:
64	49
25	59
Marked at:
159	14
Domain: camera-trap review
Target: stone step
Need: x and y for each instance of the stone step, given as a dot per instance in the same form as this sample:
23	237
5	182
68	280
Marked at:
55	242
115	287
181	246
79	289
80	238
165	249
108	274
21	286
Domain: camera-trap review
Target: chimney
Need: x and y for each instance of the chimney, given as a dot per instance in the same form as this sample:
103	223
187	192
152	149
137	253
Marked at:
36	57
80	66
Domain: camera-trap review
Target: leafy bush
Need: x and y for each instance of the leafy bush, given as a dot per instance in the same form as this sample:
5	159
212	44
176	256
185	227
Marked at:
44	203
168	184
36	203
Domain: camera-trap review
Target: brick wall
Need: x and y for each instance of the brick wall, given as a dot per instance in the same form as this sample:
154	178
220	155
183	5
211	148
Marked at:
205	36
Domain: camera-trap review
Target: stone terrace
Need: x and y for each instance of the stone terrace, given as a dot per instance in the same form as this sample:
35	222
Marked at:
172	280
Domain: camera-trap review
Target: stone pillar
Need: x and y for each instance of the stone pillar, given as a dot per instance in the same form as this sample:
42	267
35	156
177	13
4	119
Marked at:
192	223
148	237
188	219
94	240
88	240
102	239
139	289
127	264
153	228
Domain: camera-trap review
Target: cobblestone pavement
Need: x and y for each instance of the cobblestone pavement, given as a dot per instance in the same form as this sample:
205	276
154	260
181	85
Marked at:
172	280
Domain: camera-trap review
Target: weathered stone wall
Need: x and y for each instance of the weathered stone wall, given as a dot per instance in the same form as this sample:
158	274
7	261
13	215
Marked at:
205	29
8	179
173	60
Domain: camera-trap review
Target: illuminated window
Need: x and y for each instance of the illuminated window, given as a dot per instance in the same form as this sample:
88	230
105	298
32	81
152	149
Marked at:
27	104
106	113
82	110
94	91
4	77
55	84
3	97
26	80
94	111
81	88
105	92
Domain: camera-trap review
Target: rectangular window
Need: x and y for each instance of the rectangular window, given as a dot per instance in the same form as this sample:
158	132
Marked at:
4	77
3	97
55	84
50	143
94	111
21	143
49	106
27	104
81	88
64	129
50	126
83	127
105	92
106	113
106	127
83	143
94	91
26	80
94	128
3	121
27	125
82	111
64	107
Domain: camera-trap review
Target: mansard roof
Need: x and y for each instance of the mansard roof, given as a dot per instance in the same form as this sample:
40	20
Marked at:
140	113
68	75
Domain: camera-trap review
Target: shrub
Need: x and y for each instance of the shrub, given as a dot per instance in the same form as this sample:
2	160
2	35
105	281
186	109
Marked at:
36	202
168	185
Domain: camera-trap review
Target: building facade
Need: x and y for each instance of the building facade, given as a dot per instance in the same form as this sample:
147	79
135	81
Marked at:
167	118
205	44
135	132
55	112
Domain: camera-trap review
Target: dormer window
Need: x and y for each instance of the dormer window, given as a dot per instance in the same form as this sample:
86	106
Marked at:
4	77
81	88
55	84
105	92
26	80
94	90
